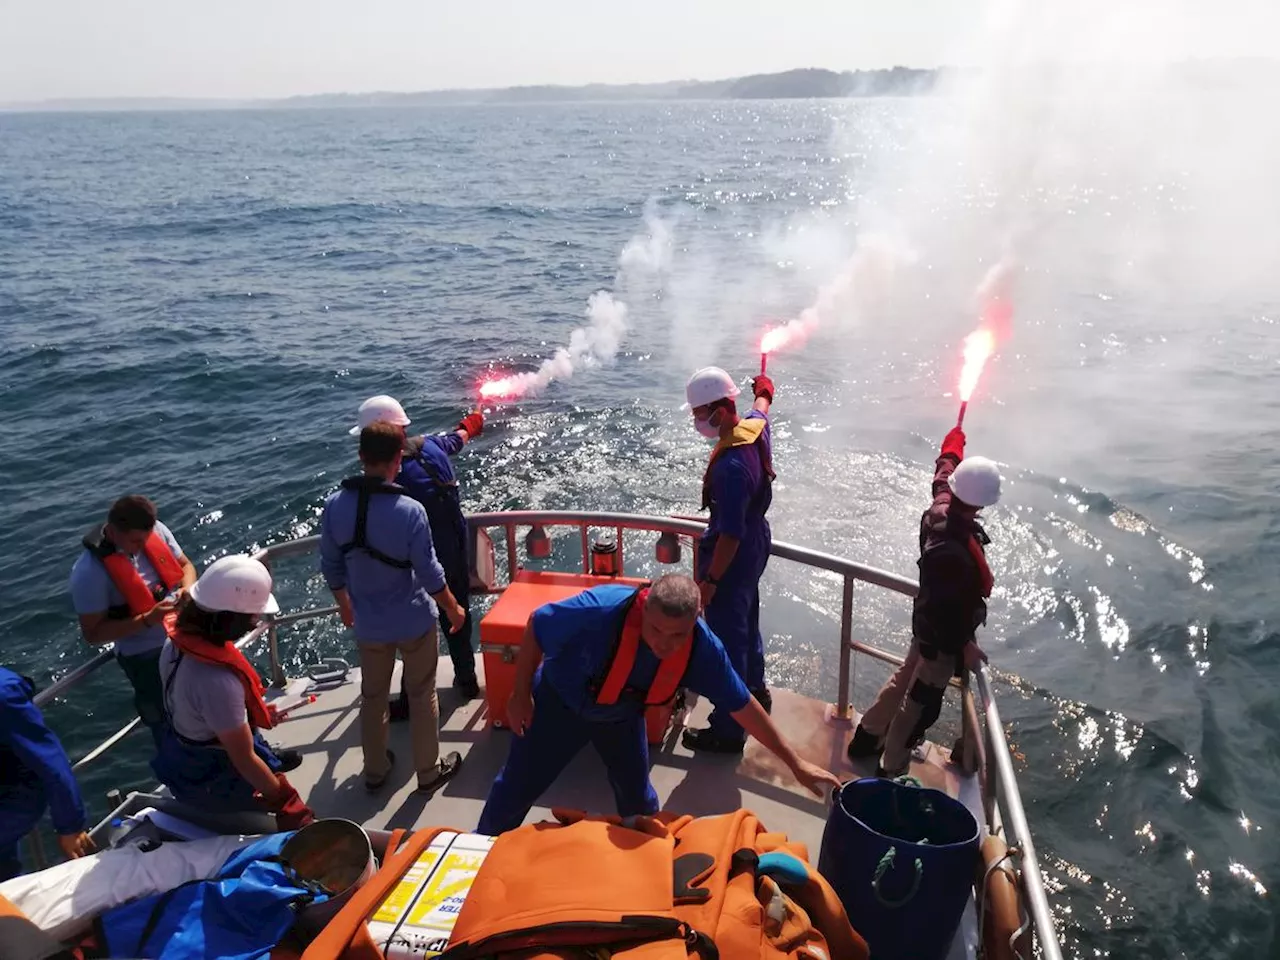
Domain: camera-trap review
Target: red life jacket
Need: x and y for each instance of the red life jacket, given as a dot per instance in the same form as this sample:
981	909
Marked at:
138	597
984	572
261	715
670	669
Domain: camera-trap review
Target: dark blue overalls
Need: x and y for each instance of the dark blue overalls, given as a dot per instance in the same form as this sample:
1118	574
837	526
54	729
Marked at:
427	475
739	493
199	772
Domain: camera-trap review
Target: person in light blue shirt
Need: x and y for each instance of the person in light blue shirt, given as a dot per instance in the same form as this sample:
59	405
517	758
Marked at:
377	557
607	653
128	577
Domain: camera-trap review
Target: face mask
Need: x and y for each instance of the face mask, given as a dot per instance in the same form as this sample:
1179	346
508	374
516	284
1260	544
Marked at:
707	427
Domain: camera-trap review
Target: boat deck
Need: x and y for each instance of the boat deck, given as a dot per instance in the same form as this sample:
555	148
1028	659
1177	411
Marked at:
327	732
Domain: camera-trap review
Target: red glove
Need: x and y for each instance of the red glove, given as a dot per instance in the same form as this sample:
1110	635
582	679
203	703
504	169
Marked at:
291	813
954	443
473	423
762	386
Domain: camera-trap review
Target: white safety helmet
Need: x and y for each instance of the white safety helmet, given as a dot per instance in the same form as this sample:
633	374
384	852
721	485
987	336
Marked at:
976	481
380	409
238	584
709	385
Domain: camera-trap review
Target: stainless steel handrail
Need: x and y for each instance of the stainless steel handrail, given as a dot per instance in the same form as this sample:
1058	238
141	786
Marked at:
997	757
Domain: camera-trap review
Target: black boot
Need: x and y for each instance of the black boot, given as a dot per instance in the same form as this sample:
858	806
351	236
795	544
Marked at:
398	710
708	742
863	746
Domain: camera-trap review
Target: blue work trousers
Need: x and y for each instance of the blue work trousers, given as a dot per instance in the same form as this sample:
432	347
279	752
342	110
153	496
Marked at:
21	807
553	739
734	617
204	777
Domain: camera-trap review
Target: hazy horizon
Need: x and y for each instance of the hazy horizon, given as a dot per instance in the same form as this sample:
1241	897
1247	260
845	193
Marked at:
241	50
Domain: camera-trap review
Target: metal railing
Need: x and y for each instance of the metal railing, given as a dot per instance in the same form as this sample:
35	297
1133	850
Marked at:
985	748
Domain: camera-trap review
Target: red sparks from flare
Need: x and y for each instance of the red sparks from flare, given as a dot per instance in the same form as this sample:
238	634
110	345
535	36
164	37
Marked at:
777	338
978	347
497	389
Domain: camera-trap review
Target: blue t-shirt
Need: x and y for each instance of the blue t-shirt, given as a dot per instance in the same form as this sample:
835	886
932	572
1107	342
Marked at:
577	635
740	495
390	604
93	592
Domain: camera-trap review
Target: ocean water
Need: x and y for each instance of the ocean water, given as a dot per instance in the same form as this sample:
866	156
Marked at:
192	305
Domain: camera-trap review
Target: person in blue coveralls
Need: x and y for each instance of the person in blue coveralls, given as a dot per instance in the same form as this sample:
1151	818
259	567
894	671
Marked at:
606	654
34	774
129	576
426	474
737	488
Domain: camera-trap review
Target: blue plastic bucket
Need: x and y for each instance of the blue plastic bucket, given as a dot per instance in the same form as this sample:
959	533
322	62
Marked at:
902	859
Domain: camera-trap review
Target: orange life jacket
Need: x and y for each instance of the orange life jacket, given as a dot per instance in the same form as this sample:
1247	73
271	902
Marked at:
670	670
261	715
138	597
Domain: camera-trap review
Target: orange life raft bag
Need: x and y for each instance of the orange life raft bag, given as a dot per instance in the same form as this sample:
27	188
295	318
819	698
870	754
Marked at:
657	888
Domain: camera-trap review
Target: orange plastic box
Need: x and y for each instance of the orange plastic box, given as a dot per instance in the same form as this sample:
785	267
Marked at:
502	631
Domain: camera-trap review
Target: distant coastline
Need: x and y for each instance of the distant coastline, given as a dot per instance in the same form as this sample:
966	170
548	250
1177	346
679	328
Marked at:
790	84
1218	74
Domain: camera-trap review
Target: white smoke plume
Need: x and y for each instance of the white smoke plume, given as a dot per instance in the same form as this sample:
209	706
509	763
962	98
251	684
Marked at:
866	277
645	256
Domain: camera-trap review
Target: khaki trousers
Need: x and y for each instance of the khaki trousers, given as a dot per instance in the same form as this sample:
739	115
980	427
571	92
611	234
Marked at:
377	661
907	705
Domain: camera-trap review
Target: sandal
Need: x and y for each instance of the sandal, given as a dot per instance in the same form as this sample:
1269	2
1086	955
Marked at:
446	770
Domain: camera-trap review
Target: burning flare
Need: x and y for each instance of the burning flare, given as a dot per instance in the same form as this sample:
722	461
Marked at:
499	388
775	338
978	348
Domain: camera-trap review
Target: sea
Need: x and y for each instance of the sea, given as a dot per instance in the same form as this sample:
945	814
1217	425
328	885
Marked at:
194	304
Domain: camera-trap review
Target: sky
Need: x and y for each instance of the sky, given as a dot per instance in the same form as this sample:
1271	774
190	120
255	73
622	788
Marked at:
271	48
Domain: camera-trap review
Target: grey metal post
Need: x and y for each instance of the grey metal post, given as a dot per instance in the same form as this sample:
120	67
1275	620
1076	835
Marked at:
278	679
513	558
846	648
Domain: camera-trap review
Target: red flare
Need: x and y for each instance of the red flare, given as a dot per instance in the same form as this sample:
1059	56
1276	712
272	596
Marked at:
978	347
500	388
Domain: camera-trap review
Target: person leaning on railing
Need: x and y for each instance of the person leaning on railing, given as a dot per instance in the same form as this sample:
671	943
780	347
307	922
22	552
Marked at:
955	583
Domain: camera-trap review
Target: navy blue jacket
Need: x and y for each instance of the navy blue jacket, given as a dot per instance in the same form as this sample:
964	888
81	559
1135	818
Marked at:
426	474
32	759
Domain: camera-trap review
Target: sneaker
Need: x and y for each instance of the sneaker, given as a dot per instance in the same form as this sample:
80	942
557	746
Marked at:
446	769
863	746
398	711
764	698
289	759
374	785
469	687
708	742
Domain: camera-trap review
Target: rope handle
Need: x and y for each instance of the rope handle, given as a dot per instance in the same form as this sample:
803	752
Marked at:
883	867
